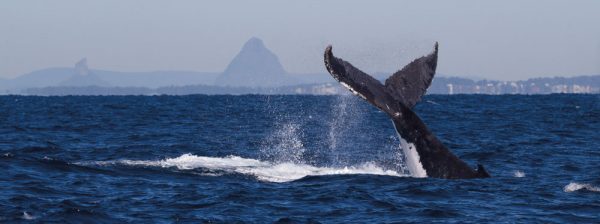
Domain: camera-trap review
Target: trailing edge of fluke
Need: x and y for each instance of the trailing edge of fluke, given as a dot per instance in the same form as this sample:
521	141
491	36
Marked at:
426	156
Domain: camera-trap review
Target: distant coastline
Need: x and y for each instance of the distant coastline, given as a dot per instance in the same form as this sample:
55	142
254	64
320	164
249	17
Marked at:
440	85
254	70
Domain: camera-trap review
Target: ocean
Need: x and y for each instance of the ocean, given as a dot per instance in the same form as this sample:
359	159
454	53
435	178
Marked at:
293	159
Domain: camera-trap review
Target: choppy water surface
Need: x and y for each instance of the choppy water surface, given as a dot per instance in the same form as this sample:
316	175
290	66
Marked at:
304	159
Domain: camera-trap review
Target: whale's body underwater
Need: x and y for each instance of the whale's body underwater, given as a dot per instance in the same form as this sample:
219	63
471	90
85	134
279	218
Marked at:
425	155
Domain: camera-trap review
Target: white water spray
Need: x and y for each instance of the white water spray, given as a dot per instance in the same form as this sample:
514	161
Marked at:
284	144
344	118
262	170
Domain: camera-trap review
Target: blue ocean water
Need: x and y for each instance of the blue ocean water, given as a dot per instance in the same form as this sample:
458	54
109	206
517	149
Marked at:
293	159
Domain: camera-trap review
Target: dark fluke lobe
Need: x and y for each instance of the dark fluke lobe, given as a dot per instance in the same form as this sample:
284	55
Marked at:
412	81
426	155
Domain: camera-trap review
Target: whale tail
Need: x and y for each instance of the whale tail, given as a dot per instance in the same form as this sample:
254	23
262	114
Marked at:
410	83
407	85
402	90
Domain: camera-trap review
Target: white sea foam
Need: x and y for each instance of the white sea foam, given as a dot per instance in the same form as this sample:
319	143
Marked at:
432	102
27	216
571	187
265	171
519	173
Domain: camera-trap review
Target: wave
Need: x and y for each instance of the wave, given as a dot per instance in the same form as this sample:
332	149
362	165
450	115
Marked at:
264	171
519	173
28	216
571	187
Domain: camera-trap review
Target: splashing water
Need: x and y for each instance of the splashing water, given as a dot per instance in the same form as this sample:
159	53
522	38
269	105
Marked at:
519	173
397	156
345	118
571	187
262	170
284	144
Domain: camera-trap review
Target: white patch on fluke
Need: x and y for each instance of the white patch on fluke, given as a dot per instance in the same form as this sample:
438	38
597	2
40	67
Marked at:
413	160
352	90
265	171
571	187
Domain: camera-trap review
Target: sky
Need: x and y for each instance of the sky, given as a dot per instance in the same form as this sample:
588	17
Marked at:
503	40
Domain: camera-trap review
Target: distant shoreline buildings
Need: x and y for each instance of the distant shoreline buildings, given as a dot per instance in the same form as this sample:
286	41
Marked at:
578	85
442	85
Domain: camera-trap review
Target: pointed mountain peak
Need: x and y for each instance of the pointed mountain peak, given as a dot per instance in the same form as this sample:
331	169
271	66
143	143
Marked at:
81	67
254	44
255	65
83	76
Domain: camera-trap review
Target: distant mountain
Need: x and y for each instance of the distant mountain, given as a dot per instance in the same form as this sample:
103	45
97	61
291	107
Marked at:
38	79
83	76
255	66
255	69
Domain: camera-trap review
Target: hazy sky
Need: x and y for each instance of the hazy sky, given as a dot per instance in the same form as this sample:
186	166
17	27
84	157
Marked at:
505	40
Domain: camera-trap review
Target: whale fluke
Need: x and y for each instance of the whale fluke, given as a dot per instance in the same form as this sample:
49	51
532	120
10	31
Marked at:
410	83
426	156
